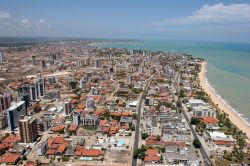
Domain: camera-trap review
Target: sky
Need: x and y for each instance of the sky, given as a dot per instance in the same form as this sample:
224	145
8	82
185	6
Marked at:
206	20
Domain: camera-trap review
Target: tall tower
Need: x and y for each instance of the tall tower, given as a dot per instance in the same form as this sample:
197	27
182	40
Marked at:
67	107
33	59
28	129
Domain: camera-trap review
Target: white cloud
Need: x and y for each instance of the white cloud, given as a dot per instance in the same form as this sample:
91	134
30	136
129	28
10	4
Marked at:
25	22
214	14
41	23
4	14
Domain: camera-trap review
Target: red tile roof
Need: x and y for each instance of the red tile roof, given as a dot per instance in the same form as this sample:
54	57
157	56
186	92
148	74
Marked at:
9	158
209	120
102	122
151	152
57	128
11	139
152	158
51	152
92	153
72	128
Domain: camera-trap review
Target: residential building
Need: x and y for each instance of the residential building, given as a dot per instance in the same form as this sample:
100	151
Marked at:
68	107
14	113
5	101
42	148
76	118
28	129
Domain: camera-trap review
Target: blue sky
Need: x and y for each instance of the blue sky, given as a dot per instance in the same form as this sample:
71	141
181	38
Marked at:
141	19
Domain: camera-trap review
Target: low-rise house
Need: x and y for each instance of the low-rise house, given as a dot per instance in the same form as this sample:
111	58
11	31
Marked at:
125	121
10	158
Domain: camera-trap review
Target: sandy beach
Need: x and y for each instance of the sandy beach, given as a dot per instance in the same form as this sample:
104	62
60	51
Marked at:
235	119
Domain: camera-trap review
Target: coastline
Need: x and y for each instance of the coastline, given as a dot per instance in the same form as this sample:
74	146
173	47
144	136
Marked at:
222	105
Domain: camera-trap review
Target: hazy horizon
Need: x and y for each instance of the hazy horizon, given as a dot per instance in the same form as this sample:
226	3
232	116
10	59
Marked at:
223	21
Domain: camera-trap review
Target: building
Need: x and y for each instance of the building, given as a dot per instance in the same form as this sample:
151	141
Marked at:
26	98
33	92
3	121
97	63
5	101
89	120
28	129
43	124
40	87
14	113
76	118
33	60
72	83
149	101
196	103
42	148
203	111
1	56
90	104
68	107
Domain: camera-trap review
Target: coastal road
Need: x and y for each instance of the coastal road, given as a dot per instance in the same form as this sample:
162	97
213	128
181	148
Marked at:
206	158
138	122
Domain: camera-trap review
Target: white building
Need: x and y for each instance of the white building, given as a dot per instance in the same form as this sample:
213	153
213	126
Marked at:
203	111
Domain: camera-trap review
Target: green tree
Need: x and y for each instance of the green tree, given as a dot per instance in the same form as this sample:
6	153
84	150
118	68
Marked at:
144	136
195	121
197	143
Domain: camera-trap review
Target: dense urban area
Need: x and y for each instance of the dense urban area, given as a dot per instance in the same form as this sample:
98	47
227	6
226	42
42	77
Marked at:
72	103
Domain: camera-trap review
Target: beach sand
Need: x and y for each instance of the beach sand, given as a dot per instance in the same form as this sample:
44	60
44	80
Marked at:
235	119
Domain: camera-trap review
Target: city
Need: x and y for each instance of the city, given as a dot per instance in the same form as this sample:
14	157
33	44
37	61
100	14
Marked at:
75	103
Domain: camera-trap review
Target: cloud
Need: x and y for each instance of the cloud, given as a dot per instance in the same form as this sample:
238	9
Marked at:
214	14
4	14
41	23
25	22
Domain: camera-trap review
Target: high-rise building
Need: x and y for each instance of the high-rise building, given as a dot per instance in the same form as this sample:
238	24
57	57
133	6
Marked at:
33	92
14	113
41	87
76	118
1	56
28	129
5	101
97	63
90	104
33	59
67	107
43	64
25	97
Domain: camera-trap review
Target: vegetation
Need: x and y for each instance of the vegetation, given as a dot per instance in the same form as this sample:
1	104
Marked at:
90	127
140	153
144	135
136	90
195	121
197	143
65	158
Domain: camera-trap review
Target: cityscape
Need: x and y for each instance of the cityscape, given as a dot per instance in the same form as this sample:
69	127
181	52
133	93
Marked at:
115	102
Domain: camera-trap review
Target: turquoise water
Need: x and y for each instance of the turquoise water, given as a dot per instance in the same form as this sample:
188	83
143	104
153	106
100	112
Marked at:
228	70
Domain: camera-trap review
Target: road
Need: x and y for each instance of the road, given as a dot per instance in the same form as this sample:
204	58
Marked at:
206	158
138	122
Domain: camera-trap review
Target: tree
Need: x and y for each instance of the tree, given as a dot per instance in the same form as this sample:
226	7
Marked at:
134	116
158	138
197	143
107	115
144	135
195	121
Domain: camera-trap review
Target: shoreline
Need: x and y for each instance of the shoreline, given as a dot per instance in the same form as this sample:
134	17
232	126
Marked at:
234	116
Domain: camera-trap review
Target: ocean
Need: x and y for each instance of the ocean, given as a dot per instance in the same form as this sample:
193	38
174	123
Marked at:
228	70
